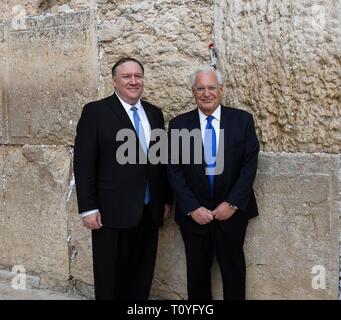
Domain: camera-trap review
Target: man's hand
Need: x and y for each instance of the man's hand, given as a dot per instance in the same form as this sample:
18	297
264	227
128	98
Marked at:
202	215
223	211
168	211
93	221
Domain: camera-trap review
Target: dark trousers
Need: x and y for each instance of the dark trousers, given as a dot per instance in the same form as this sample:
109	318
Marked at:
124	260
227	246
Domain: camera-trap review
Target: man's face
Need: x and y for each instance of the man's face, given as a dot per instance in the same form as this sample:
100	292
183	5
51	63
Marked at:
128	82
207	92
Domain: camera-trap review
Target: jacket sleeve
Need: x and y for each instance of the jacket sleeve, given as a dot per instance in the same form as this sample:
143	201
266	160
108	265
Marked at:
241	191
85	159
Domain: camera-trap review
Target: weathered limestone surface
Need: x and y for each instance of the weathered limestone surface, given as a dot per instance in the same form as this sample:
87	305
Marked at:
169	36
282	62
2	186
33	211
3	54
299	198
12	9
80	246
52	73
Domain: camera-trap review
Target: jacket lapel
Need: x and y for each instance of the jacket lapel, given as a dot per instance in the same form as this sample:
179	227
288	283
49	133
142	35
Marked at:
119	111
223	142
151	119
194	123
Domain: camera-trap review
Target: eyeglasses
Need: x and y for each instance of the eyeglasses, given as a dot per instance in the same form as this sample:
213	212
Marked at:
211	89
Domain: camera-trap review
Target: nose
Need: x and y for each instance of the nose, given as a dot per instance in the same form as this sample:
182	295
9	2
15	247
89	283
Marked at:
206	92
133	80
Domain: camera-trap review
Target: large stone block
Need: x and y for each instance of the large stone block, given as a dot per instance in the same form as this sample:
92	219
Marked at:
33	214
281	61
53	72
298	228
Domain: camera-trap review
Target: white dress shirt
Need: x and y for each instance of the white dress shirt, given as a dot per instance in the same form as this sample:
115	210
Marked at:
146	128
215	123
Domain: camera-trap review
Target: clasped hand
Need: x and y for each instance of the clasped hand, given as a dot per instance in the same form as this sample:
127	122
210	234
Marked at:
204	216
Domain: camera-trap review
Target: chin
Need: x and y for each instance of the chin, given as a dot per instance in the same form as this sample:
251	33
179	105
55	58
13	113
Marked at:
208	108
135	98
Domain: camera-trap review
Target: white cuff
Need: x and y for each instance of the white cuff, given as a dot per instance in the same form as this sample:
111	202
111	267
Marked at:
87	213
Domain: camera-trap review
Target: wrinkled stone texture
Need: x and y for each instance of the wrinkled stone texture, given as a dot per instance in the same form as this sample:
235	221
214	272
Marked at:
80	242
12	9
299	198
52	72
33	220
168	36
3	90
282	62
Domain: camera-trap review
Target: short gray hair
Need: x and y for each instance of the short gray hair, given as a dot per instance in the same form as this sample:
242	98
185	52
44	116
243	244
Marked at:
205	69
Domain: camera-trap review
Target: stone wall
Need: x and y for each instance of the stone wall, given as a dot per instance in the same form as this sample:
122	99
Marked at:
33	220
281	62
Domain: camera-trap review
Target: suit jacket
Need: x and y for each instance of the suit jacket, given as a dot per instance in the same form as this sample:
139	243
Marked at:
101	182
234	184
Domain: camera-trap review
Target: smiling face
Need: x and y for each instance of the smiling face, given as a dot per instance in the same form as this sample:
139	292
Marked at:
128	82
207	91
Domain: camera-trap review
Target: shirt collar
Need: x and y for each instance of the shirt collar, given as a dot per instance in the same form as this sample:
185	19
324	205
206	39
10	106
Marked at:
128	106
216	114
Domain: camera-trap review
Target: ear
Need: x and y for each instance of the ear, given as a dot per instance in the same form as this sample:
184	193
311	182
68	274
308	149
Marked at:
113	81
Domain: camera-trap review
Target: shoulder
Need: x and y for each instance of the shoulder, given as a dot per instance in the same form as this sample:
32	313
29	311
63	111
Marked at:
95	107
183	118
236	113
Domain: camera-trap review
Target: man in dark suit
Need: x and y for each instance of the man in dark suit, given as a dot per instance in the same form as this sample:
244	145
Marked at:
123	205
213	208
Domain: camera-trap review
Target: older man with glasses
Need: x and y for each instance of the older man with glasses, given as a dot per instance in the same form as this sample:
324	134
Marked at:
212	207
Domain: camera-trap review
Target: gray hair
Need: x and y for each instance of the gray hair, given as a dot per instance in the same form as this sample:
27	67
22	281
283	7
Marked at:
205	69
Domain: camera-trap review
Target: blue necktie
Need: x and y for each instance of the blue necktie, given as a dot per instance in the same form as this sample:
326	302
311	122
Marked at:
142	138
210	152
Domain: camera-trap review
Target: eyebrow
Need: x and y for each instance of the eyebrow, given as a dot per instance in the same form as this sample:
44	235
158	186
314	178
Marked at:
209	85
132	73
